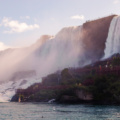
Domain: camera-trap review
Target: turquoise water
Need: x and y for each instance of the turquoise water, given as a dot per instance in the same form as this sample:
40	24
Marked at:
35	111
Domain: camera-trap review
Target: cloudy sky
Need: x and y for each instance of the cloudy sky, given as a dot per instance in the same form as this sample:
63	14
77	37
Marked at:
22	22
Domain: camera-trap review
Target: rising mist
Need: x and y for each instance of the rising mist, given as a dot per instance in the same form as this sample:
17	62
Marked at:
71	47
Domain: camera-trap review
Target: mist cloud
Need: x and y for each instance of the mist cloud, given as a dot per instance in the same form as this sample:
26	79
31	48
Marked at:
46	56
3	46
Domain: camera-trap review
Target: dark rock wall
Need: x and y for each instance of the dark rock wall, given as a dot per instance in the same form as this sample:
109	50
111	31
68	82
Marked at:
94	37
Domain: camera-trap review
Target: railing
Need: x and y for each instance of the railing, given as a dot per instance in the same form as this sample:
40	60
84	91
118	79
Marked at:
97	70
33	90
93	70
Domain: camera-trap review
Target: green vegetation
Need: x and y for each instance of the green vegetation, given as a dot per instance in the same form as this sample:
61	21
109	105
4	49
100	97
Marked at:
42	95
52	79
104	87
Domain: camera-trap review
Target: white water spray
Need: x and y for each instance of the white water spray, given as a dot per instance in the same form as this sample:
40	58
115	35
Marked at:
113	40
46	56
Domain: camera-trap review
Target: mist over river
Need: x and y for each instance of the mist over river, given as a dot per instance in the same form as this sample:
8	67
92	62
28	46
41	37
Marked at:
42	111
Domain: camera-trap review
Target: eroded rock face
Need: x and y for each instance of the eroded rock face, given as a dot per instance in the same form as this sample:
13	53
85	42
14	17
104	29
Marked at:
79	96
94	35
83	95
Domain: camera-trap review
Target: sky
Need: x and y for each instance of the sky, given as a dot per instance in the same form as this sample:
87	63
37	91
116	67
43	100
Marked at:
22	22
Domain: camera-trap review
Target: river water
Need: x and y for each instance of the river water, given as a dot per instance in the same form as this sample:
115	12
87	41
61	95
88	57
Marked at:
42	111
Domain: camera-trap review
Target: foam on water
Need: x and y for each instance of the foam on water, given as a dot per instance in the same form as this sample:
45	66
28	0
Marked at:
7	90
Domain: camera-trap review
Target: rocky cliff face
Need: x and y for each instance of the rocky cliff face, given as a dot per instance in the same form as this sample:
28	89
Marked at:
83	95
94	37
71	47
78	97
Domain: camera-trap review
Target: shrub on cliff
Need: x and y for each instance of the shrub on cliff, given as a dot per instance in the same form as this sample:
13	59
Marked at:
106	89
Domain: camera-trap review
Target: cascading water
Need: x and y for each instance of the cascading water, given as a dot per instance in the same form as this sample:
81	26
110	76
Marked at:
46	56
113	40
49	54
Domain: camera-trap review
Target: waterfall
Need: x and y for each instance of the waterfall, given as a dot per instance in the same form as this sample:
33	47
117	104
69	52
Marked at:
113	40
66	49
46	56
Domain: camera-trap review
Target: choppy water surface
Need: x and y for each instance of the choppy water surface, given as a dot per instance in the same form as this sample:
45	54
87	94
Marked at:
35	111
